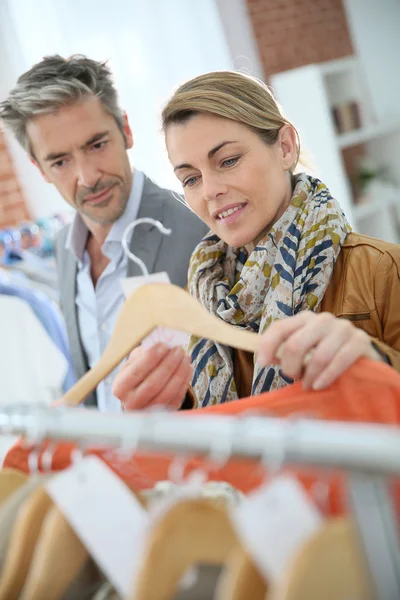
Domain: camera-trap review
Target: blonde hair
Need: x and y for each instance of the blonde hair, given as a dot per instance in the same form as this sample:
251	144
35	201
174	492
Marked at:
233	96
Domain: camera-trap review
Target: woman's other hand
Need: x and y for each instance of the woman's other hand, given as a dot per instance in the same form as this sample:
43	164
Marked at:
317	347
154	376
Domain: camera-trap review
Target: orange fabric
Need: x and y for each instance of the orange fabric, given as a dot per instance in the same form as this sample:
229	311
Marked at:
368	392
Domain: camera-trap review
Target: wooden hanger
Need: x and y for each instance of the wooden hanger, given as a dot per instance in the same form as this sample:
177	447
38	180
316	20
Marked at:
10	480
58	558
241	579
192	531
329	566
22	543
150	306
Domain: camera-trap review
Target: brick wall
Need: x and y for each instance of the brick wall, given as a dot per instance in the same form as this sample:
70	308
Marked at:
294	33
13	208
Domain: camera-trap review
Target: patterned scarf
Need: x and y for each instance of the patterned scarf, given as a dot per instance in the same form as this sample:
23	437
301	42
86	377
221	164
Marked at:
288	271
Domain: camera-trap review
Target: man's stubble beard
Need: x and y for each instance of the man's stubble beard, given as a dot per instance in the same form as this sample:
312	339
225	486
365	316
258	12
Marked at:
100	216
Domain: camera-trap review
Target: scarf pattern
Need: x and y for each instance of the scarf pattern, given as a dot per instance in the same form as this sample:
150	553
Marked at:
288	271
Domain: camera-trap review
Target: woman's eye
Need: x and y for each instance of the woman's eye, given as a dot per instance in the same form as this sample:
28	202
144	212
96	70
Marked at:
190	181
229	162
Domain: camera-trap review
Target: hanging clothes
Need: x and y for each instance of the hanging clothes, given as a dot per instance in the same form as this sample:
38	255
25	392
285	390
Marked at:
49	316
369	392
32	368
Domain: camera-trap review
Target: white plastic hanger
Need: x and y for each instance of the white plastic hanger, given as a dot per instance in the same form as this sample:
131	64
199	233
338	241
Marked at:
138	261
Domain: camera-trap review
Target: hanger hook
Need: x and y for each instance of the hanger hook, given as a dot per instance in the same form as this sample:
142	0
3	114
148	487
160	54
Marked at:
47	457
275	462
33	461
130	228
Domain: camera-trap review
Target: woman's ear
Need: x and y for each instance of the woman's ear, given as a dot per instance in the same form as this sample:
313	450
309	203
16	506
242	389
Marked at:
287	142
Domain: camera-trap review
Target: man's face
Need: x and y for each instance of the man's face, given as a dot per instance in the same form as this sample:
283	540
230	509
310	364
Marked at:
80	149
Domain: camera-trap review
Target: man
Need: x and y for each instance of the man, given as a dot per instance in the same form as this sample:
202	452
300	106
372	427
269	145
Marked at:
65	113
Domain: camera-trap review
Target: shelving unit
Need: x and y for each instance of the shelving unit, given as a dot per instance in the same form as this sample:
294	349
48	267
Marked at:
368	133
308	96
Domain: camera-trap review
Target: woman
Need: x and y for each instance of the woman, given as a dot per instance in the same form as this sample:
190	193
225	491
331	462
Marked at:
280	258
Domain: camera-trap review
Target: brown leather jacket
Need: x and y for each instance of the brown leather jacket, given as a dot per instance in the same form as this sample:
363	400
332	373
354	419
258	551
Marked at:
365	288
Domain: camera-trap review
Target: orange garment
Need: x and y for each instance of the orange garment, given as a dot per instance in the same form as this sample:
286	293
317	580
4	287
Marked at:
368	392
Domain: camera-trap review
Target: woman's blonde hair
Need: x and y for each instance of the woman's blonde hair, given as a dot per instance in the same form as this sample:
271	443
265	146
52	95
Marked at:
233	96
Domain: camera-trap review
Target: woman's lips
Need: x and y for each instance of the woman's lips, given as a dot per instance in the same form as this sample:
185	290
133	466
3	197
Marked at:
235	213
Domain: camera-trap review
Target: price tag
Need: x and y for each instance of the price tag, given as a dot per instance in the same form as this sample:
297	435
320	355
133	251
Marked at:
105	515
169	337
274	522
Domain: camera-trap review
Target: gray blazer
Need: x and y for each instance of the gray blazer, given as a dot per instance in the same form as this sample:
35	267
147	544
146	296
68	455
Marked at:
158	252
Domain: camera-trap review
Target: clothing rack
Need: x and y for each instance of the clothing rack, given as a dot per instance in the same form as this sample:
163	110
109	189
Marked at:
371	449
38	234
369	453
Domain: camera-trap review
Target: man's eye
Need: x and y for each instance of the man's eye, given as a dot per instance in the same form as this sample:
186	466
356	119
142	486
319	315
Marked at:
59	163
99	145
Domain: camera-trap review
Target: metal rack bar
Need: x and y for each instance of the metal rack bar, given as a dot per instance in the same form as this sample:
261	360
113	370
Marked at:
366	448
374	514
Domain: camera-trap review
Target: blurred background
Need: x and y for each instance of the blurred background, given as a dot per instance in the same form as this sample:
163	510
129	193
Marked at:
331	64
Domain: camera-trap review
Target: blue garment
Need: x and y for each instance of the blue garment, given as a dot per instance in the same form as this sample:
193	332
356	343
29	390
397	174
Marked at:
48	315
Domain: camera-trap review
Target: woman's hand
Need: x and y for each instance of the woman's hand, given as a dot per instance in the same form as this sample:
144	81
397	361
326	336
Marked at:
318	347
154	376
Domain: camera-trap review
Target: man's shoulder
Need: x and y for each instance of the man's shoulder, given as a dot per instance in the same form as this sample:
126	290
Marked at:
62	235
62	253
61	238
174	205
163	195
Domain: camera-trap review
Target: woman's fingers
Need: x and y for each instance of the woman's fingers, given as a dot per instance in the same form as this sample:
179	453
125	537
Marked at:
270	350
177	387
139	366
316	347
311	349
357	346
143	383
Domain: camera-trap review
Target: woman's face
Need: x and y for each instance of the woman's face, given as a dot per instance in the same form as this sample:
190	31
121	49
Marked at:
238	185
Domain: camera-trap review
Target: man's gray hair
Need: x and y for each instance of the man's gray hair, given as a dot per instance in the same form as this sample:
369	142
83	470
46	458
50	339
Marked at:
55	82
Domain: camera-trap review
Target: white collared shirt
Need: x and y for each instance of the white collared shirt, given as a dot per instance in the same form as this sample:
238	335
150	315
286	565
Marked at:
98	307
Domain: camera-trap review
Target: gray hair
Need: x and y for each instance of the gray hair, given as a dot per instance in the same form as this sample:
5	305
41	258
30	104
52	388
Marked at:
55	82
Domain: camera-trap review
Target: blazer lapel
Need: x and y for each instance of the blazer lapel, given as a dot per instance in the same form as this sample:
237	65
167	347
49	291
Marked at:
146	239
68	293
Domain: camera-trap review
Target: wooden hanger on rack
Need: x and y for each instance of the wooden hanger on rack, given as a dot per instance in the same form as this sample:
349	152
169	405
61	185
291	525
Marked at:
193	531
241	579
329	566
10	480
58	557
22	543
153	305
57	560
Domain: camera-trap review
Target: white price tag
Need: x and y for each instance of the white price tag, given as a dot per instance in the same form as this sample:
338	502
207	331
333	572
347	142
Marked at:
274	522
169	337
105	515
